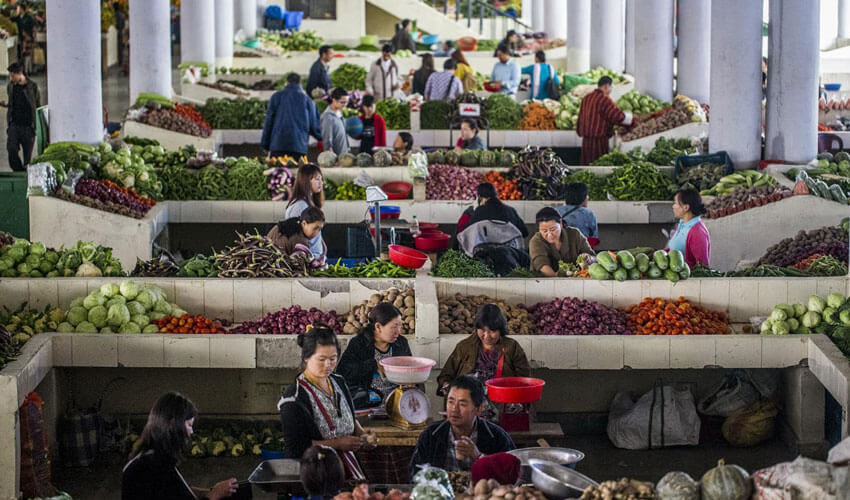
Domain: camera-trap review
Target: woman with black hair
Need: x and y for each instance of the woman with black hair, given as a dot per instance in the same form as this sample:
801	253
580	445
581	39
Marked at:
300	230
317	408
308	191
490	207
421	75
487	353
469	138
402	39
152	469
690	236
403	142
321	472
360	363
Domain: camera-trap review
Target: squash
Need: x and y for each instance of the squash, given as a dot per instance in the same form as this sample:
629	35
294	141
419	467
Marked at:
469	158
677	486
487	158
452	158
382	158
346	160
326	159
507	158
726	482
436	157
364	160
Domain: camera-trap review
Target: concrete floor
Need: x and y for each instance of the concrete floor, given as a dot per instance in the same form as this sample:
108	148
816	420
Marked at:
603	462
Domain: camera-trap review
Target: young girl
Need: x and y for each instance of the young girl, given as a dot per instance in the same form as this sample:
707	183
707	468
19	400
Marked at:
309	191
295	231
321	472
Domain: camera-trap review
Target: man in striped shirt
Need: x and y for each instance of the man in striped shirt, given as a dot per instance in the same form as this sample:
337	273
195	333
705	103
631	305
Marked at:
444	85
596	119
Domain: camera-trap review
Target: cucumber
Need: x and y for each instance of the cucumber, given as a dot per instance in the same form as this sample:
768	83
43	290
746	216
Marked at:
837	194
685	273
642	262
634	274
598	272
654	272
671	275
660	258
607	261
621	274
823	189
677	260
625	258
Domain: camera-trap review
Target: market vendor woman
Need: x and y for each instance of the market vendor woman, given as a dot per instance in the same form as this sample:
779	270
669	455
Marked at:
554	243
360	367
487	353
317	409
690	236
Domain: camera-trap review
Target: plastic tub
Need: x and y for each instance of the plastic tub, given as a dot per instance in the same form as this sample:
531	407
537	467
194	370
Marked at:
407	369
397	190
493	86
432	242
407	257
515	389
430	39
387	212
428	225
832	87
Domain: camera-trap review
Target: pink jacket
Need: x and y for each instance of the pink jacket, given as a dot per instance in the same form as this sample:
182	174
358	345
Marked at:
698	246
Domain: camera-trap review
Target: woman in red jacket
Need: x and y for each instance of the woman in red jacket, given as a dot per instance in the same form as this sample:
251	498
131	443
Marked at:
374	128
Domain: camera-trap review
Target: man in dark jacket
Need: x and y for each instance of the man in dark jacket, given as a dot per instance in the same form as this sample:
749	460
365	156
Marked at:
24	98
319	76
462	438
291	119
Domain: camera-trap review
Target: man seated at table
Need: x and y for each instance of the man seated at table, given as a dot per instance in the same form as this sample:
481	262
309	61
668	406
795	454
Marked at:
462	438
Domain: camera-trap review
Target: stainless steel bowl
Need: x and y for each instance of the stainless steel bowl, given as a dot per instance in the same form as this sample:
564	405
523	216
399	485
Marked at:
558	482
564	456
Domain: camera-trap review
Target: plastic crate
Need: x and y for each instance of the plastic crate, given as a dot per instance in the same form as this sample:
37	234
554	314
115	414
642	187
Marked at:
718	158
275	12
293	19
13	204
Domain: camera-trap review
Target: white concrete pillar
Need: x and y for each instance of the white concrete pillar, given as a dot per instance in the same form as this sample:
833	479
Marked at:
607	34
73	56
578	36
654	49
224	33
630	36
735	124
843	19
260	11
197	32
694	55
150	48
538	16
556	19
792	75
527	12
245	15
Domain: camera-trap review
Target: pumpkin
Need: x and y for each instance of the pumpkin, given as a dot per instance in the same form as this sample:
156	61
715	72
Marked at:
452	158
677	486
436	157
326	159
487	158
364	160
507	158
469	158
726	482
382	158
346	160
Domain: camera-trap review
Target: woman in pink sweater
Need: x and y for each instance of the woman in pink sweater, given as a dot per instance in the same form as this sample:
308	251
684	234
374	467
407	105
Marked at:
690	236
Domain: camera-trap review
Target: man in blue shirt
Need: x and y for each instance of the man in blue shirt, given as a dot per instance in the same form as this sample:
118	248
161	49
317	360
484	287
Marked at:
291	118
319	77
506	71
575	212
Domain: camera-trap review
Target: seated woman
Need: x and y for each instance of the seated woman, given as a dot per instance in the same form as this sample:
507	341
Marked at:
403	142
317	408
488	353
469	138
152	469
321	472
490	207
554	243
299	231
360	366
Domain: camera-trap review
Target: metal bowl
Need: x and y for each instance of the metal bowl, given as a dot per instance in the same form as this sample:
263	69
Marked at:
564	456
277	475
558	482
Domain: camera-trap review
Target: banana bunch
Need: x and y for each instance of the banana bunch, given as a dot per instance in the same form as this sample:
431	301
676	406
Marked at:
743	178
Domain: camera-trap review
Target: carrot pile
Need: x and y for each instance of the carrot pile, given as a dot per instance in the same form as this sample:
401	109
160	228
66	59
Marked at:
824	128
506	188
131	193
537	117
805	263
666	317
191	113
189	324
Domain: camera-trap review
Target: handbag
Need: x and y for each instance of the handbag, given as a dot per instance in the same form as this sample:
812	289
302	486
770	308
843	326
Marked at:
552	88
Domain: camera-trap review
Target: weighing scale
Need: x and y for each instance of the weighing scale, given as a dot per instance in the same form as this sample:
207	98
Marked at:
407	406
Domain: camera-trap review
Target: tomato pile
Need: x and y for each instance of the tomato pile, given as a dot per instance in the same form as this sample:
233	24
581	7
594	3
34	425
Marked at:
189	111
655	316
506	188
131	193
189	324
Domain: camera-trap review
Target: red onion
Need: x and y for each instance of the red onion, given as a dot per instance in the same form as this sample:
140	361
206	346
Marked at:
100	191
572	316
290	321
448	182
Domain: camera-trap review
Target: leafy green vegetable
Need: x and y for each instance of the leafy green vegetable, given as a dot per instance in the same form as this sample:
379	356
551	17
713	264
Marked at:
349	76
639	181
396	113
503	112
434	115
456	264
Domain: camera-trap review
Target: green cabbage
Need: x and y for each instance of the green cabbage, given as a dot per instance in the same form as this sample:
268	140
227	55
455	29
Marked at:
88	270
37	248
78	302
162	307
118	315
789	310
150	329
780	328
116	300
65	327
835	300
97	316
803	330
140	319
130	327
106	329
146	299
793	324
94	299
135	308
129	289
766	325
845	317
109	290
86	327
778	315
816	304
799	310
811	319
830	316
77	315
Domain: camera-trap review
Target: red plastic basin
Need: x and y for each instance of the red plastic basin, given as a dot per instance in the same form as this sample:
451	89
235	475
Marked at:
515	389
397	190
432	242
428	226
407	257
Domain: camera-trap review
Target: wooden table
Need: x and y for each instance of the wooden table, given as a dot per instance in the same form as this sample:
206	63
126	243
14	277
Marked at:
389	435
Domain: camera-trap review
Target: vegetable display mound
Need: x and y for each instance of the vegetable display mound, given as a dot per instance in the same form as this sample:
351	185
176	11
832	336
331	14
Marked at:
506	188
239	114
349	76
448	182
684	111
109	193
348	190
403	300
540	174
434	115
396	113
830	316
173	121
455	264
33	260
503	112
19	325
665	151
595	183
189	111
655	316
624	265
537	117
254	256
376	268
158	267
572	316
743	178
289	321
639	181
457	315
199	266
743	198
642	104
829	240
188	323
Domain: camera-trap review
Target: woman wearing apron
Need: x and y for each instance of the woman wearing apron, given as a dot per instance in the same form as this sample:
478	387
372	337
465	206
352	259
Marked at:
690	236
317	408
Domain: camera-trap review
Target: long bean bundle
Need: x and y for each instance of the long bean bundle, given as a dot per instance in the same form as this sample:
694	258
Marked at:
254	256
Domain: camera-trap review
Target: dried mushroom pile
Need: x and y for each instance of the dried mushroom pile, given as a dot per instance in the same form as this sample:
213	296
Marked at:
457	315
404	300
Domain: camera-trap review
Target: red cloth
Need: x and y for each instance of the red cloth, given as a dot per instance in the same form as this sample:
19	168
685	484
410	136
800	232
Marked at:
503	467
380	129
592	148
597	115
698	246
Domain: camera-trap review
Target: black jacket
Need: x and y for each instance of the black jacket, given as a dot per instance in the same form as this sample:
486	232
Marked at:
152	476
298	420
403	41
318	78
33	99
358	365
498	211
433	445
420	79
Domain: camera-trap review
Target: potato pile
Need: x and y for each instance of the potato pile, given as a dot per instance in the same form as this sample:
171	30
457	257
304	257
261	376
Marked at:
625	489
457	315
404	300
490	489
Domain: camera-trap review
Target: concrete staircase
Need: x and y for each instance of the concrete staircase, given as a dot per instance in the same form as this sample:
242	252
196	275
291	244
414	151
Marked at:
431	20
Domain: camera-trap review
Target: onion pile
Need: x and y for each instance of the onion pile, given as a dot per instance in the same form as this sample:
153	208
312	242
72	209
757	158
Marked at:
572	316
101	192
289	321
830	240
448	182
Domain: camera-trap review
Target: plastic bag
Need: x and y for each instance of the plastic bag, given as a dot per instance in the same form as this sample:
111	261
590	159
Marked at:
363	179
734	394
664	416
432	483
751	426
41	179
70	184
417	165
802	479
840	453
